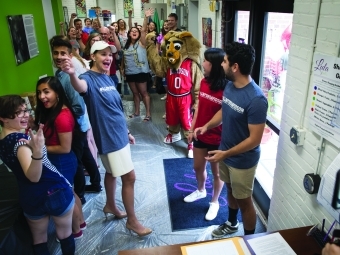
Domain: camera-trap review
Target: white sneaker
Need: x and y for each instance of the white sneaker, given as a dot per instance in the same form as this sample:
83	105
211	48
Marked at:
164	116
195	196
190	150
212	212
163	98
172	138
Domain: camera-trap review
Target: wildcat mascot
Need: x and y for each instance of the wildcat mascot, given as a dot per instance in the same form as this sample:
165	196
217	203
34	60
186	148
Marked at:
179	64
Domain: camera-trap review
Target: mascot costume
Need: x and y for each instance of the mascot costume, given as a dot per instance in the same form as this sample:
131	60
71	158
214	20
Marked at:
179	64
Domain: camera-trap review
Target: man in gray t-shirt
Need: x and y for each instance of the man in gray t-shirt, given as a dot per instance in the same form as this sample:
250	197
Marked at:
243	114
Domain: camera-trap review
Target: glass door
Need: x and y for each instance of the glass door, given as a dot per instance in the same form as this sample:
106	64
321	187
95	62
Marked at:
242	26
272	81
275	62
276	38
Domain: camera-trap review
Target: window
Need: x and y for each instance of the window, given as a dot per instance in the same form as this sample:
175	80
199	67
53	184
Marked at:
266	166
274	68
242	26
267	27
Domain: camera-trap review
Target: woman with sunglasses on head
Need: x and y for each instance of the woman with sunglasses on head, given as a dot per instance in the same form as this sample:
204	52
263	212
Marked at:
55	112
135	67
43	191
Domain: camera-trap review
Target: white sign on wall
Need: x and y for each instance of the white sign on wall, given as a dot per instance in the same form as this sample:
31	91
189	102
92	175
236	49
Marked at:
324	117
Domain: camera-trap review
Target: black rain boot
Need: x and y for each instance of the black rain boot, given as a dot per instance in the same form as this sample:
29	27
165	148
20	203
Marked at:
41	249
68	246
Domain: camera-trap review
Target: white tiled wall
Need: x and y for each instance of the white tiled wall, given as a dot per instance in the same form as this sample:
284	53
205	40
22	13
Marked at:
291	206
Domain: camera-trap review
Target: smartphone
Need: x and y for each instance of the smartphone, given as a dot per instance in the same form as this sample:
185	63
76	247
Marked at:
336	192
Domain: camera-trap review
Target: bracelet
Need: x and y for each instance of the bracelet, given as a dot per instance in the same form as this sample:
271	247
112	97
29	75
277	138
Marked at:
129	133
37	158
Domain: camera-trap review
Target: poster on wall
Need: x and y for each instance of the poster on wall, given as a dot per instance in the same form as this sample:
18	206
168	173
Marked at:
207	31
324	116
80	8
143	2
23	37
127	5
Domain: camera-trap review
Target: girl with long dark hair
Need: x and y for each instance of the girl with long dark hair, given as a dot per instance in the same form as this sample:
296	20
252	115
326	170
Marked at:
209	102
55	112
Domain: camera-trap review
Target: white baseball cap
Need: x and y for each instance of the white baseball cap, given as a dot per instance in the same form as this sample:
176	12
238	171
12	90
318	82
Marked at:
100	45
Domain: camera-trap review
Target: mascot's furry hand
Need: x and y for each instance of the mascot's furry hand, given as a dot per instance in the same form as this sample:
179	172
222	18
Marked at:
150	38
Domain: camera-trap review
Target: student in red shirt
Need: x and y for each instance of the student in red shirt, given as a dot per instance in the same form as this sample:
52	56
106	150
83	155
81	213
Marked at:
55	112
209	102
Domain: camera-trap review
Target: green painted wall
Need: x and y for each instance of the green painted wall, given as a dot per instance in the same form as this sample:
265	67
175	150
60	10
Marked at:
58	13
18	79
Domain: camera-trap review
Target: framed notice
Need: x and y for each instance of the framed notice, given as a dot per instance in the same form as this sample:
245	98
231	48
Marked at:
23	37
143	2
324	104
127	5
80	8
207	31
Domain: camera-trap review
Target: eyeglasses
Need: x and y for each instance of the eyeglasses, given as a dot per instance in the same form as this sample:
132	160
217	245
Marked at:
22	113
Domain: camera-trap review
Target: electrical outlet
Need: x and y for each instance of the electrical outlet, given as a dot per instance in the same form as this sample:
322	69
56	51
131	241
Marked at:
297	135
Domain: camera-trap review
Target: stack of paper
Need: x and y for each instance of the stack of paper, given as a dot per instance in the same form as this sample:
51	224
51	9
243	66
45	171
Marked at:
264	245
270	244
230	246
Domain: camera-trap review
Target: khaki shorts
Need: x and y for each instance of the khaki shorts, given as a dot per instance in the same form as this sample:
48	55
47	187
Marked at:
241	180
118	162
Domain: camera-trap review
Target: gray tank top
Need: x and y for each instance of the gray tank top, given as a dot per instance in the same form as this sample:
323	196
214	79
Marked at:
136	60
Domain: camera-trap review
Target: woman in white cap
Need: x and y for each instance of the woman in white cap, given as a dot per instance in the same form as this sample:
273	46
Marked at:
110	131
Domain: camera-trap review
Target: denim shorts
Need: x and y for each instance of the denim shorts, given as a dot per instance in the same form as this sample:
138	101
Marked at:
65	163
57	203
201	145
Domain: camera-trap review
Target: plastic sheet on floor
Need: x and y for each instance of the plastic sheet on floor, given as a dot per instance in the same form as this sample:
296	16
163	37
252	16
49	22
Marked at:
108	236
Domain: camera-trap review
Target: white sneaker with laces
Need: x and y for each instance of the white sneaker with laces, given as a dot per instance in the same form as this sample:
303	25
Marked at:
190	150
195	196
172	138
212	212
